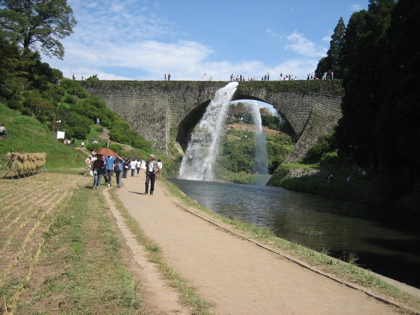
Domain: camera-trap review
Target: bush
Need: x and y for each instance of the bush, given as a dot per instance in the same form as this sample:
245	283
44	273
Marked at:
321	147
115	147
35	104
94	146
74	88
73	124
70	99
55	94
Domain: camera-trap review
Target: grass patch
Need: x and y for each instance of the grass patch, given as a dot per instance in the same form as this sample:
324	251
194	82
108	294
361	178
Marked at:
81	269
309	230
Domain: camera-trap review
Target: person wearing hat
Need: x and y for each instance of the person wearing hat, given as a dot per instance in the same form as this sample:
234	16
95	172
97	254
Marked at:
151	170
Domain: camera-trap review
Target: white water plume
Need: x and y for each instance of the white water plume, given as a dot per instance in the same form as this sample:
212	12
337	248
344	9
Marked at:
203	148
261	158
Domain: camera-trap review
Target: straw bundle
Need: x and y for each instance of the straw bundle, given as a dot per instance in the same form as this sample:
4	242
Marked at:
23	163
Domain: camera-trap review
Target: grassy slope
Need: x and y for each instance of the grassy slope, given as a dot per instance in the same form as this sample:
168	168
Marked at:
28	135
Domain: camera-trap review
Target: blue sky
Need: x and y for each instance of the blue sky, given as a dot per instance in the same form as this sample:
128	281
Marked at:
145	39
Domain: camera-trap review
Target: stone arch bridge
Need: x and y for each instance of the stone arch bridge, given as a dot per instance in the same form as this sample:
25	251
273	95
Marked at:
166	112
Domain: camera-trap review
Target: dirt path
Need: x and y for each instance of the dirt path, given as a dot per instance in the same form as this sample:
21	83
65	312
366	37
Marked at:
238	276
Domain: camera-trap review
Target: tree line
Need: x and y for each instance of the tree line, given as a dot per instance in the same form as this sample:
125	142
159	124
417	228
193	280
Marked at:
34	88
377	56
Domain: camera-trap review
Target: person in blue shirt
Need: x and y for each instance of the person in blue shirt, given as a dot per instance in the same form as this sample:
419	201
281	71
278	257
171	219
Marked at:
109	167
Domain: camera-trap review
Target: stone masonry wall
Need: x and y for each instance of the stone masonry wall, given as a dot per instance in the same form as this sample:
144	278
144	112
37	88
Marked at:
155	109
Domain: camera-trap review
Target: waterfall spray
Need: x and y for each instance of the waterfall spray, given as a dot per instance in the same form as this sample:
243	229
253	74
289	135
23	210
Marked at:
203	148
261	159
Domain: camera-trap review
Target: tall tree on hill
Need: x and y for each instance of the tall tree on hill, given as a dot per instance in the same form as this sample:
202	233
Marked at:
332	62
37	24
14	69
397	129
363	54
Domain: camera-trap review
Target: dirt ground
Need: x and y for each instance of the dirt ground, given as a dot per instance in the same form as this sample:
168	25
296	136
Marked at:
248	127
237	274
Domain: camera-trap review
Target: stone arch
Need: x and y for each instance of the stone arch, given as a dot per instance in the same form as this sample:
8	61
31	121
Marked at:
187	125
166	112
279	108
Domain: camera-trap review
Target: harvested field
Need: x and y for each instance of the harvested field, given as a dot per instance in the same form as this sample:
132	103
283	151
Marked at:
28	208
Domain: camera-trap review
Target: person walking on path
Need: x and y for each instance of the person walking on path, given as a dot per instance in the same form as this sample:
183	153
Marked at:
159	165
109	169
133	165
126	167
151	170
119	167
98	169
138	166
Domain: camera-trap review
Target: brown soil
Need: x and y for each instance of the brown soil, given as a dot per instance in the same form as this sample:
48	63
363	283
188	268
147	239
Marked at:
247	127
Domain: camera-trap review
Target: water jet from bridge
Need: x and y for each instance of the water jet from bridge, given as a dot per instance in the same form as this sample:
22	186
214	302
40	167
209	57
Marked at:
261	158
203	147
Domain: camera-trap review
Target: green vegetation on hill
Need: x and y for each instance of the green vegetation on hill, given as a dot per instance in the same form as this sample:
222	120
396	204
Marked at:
35	101
27	134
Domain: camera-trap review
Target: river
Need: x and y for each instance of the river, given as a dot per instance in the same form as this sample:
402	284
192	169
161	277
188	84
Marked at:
381	239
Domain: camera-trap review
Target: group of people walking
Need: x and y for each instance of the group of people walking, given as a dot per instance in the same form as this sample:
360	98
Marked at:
101	165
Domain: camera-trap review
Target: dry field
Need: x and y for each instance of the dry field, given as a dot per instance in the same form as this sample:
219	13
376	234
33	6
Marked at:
28	208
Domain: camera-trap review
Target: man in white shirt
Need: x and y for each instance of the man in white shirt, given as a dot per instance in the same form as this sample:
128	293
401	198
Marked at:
138	166
159	165
133	165
151	170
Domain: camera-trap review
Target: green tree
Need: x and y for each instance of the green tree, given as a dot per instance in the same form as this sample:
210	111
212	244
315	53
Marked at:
35	104
397	129
332	62
37	21
14	69
363	55
269	120
239	112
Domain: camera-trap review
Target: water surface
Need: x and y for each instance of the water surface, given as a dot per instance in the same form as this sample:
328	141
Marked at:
383	241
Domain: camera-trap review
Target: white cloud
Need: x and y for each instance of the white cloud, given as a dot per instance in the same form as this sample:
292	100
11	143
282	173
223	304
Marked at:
270	32
355	7
326	38
299	44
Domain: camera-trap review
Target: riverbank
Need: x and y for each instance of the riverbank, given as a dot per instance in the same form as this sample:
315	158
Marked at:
122	251
359	188
238	271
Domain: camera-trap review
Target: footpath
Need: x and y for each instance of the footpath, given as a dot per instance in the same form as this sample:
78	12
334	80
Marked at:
237	274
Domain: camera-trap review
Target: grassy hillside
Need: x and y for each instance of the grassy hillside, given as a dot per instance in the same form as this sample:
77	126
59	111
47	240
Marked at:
28	135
